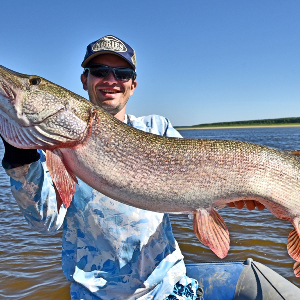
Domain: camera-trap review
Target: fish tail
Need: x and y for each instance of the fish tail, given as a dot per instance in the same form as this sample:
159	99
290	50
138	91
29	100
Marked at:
212	231
293	244
296	269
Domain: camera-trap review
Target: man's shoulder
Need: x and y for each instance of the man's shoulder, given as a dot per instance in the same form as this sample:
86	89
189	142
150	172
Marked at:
148	119
153	124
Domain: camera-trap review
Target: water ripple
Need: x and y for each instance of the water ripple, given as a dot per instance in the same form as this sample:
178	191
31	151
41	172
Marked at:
30	262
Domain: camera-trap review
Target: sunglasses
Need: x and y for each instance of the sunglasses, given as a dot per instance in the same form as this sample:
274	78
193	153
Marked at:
101	71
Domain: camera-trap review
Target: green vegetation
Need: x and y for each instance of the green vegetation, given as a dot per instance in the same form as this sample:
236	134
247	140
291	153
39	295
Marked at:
264	122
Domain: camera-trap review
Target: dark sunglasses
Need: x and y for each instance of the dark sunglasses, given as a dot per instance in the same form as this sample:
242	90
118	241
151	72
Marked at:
101	71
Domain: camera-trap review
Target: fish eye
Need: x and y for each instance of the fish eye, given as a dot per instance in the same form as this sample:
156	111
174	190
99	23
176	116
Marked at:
35	81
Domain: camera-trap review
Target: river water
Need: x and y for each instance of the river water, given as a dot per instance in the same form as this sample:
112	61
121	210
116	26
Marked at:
30	262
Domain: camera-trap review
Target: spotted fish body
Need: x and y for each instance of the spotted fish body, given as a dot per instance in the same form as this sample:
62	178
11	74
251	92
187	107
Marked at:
145	170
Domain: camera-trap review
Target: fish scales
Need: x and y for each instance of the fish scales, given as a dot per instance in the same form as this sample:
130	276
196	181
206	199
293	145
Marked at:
149	182
145	170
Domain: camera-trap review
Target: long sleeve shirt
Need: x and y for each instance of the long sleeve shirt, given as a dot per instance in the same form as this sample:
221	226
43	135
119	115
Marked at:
109	250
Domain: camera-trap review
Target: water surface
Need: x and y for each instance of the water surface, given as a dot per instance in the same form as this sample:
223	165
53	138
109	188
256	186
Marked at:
30	262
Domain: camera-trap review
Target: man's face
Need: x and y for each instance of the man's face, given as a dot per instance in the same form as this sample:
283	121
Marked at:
109	93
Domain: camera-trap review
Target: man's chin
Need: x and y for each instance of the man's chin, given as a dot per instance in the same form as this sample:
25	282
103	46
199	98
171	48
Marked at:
110	109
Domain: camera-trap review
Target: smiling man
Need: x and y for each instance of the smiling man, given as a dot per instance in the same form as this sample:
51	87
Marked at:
108	92
154	264
110	250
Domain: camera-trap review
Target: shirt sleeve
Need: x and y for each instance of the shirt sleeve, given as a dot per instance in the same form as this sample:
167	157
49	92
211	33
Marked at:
33	190
153	124
171	131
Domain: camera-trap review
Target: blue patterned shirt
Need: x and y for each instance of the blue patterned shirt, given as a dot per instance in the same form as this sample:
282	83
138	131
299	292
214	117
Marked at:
109	250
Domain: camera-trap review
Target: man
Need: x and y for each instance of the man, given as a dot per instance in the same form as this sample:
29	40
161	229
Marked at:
109	250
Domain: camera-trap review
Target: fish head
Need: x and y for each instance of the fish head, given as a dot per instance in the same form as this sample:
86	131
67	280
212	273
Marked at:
36	113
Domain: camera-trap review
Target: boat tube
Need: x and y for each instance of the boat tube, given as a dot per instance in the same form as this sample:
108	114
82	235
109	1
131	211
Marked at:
248	280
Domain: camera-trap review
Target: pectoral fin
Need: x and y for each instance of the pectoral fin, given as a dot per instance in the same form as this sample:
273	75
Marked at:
212	231
293	244
64	181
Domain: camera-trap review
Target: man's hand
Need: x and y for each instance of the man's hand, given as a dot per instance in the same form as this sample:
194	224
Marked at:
250	204
15	157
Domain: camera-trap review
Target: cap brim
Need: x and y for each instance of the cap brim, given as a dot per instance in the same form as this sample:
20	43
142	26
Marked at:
86	62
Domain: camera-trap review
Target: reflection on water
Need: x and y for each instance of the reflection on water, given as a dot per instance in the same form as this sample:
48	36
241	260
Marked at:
30	262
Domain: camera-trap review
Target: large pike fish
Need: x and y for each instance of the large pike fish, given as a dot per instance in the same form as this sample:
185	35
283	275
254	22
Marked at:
145	170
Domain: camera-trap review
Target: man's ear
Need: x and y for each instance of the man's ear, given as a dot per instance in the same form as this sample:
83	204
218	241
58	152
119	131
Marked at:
134	83
133	86
84	82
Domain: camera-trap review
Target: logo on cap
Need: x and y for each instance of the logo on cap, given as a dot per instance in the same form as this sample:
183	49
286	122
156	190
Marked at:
110	43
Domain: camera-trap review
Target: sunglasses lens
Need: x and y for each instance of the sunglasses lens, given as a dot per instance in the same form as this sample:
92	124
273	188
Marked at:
100	72
123	73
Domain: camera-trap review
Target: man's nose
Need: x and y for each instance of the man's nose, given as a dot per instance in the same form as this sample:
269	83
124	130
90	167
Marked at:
110	77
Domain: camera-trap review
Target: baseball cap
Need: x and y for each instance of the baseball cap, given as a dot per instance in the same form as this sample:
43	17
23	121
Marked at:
109	44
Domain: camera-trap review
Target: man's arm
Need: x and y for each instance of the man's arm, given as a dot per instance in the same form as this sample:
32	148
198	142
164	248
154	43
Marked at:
32	188
15	157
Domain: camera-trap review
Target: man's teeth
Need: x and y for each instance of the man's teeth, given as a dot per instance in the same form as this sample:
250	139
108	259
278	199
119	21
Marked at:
109	91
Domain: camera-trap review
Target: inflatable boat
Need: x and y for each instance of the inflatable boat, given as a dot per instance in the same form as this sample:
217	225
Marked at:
241	281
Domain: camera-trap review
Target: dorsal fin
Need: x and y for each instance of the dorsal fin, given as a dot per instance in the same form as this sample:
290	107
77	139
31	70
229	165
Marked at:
295	152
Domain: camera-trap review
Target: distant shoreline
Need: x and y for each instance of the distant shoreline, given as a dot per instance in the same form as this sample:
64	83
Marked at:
235	126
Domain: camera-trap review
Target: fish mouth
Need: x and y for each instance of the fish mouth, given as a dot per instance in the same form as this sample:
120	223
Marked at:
7	92
34	114
13	87
10	87
8	79
24	137
35	136
10	110
24	130
7	101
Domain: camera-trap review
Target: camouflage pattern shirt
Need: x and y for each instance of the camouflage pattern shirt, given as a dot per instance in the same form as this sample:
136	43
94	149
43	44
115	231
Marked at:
109	250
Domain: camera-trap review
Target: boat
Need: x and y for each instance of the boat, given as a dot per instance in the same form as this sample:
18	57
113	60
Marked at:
241	280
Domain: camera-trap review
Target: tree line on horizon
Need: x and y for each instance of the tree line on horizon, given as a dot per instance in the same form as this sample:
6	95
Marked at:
279	121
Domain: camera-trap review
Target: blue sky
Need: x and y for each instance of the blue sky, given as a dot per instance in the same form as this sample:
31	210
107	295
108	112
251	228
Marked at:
198	61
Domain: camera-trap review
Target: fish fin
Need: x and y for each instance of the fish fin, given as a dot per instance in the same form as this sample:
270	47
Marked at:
63	180
293	244
212	231
296	269
295	152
